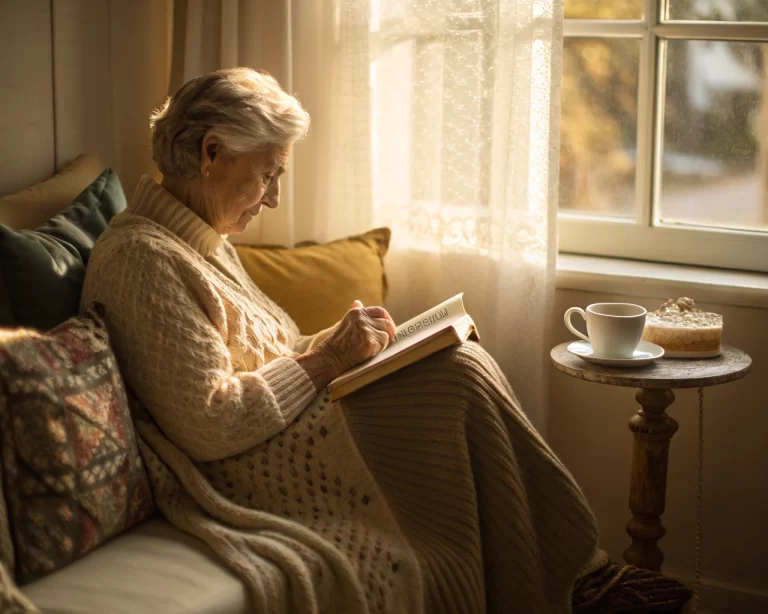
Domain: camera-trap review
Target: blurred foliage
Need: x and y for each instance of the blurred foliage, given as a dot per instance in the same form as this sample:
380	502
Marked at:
599	119
603	9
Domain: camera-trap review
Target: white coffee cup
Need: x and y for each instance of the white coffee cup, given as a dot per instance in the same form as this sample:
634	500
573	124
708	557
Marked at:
613	329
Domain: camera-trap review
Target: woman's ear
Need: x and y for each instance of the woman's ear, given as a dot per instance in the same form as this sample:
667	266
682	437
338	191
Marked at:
208	154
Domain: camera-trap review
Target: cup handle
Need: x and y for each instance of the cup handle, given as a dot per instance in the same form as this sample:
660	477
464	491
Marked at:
570	326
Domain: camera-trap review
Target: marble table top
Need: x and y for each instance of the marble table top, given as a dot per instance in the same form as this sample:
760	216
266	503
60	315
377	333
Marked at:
731	365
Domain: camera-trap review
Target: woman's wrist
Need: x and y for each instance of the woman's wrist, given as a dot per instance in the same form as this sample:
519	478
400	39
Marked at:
319	368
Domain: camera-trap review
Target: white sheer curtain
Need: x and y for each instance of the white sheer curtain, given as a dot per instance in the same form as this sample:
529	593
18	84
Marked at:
465	113
438	118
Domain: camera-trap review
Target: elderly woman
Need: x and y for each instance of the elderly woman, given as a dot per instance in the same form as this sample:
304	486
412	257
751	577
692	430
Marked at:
428	491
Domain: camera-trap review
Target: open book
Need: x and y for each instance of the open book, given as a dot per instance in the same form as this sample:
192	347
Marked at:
427	333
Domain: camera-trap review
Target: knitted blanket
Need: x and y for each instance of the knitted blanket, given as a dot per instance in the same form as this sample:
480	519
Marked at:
428	491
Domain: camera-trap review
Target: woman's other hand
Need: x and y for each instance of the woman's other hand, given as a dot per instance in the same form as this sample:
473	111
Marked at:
362	333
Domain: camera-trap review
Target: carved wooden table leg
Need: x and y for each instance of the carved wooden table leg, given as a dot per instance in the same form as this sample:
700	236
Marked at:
652	429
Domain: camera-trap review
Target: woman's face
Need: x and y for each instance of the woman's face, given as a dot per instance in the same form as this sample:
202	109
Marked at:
235	187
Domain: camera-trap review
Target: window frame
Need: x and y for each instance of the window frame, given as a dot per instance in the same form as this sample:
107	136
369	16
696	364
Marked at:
646	237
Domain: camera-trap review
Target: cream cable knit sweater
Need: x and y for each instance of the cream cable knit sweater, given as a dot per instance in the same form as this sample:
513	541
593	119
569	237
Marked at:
175	290
427	491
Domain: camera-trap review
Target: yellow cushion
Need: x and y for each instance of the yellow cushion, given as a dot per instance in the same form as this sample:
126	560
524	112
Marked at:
316	284
35	205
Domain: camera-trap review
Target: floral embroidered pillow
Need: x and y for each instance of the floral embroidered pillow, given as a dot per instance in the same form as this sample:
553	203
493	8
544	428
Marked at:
72	472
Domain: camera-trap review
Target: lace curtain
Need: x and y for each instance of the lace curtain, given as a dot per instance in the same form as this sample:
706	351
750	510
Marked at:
465	97
438	118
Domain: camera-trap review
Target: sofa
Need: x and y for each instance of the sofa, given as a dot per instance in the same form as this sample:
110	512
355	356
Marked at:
151	566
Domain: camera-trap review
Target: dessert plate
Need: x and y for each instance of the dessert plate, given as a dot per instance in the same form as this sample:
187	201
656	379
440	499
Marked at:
645	353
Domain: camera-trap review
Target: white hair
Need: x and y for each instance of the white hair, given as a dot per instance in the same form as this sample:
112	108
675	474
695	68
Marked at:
245	109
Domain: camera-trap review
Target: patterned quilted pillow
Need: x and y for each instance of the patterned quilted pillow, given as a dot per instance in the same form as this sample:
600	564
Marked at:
73	475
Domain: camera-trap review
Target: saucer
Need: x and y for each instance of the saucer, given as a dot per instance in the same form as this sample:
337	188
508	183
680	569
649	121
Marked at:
645	353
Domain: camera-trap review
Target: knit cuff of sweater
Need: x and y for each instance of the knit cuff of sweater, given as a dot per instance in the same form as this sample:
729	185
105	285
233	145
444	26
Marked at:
290	385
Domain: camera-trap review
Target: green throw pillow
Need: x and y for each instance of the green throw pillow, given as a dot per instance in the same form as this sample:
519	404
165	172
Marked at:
43	269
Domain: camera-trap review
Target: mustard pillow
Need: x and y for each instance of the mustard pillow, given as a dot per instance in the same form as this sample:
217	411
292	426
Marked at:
316	284
35	205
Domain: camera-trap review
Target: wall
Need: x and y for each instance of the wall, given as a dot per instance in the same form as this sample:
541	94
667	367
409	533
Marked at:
80	76
587	427
26	106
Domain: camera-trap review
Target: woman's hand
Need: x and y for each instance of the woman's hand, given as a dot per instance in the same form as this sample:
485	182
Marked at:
362	333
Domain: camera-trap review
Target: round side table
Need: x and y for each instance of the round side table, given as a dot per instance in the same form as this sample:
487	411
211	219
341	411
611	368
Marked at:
653	429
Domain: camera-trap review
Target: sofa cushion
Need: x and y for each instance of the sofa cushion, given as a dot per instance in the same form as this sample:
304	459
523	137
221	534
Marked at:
43	269
35	205
72	472
316	284
150	569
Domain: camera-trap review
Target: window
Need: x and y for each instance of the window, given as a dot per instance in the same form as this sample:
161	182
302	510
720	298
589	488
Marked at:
664	133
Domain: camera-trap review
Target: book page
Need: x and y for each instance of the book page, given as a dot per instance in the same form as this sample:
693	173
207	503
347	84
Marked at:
412	332
441	316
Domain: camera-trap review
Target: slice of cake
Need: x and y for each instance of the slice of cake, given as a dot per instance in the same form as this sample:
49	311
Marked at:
683	330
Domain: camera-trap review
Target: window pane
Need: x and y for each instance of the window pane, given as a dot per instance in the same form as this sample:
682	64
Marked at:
715	159
718	10
603	9
599	126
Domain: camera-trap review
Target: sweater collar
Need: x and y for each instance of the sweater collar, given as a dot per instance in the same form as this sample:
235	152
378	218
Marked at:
154	202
